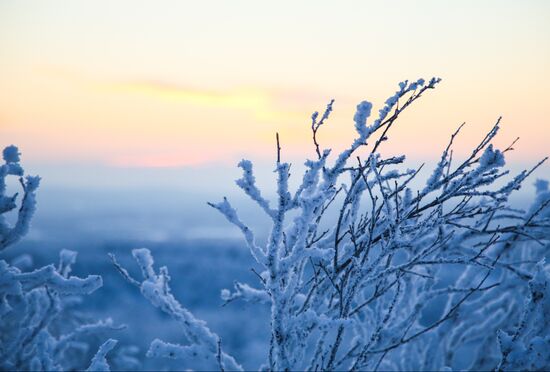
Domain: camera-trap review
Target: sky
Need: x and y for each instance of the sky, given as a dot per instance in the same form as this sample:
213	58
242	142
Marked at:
180	83
159	96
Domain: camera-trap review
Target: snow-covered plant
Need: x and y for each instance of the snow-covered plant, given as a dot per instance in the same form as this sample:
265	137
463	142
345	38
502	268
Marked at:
363	272
203	343
528	347
38	330
12	234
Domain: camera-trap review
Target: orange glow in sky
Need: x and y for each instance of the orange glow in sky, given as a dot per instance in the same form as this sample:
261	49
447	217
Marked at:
175	83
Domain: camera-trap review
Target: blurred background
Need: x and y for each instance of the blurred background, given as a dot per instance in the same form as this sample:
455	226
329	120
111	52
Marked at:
135	114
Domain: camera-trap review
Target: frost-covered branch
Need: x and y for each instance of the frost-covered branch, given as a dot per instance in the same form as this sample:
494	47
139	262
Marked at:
35	306
204	344
99	362
351	276
12	234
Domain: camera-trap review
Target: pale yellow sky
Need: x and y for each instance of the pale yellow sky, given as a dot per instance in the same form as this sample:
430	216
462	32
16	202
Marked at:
175	83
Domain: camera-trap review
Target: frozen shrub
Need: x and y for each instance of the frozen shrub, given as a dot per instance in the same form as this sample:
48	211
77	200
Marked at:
38	327
203	343
361	272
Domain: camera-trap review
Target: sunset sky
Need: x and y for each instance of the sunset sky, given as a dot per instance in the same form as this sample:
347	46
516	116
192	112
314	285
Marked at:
181	83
